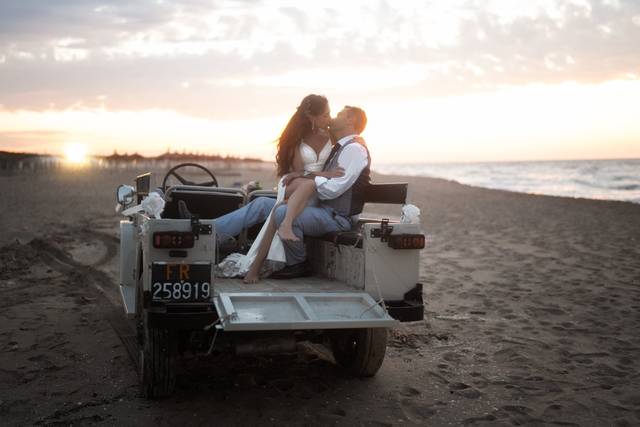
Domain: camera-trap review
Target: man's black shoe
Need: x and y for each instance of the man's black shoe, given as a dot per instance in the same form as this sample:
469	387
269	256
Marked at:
302	269
183	212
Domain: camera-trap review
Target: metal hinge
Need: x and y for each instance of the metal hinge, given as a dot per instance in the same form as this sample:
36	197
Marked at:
383	232
197	228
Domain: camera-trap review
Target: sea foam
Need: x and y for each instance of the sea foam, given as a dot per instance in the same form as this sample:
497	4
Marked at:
593	179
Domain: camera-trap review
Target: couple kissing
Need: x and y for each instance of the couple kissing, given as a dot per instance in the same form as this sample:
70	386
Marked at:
321	190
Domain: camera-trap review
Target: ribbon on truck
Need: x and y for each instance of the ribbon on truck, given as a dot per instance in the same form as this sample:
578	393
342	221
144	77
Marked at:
153	205
410	214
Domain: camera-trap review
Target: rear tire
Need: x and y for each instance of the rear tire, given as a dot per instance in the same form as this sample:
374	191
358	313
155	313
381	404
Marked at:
158	364
360	351
158	350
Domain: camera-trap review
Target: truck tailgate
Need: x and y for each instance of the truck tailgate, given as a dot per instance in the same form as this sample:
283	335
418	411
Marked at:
253	311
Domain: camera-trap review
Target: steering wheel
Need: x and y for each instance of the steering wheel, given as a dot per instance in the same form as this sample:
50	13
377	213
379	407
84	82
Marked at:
172	172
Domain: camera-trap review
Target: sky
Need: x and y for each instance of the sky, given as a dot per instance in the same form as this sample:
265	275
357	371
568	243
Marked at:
440	80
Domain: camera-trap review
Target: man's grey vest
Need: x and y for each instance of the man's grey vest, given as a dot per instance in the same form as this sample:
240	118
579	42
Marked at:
351	201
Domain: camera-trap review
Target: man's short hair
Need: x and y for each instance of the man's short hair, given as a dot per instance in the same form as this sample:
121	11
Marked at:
359	118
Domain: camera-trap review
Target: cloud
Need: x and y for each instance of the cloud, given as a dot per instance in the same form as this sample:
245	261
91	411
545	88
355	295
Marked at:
31	140
235	59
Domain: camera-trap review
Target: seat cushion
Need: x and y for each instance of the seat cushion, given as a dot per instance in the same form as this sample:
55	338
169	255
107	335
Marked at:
209	204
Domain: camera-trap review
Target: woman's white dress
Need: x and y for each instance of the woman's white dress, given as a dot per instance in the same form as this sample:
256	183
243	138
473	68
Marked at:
238	264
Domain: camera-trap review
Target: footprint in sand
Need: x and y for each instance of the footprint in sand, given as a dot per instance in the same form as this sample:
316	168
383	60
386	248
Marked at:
438	377
416	412
8	376
479	381
452	357
626	362
602	370
517	414
43	363
464	390
410	391
486	419
458	386
510	355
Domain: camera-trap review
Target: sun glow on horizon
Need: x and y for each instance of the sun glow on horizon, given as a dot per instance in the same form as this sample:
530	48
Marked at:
532	122
76	154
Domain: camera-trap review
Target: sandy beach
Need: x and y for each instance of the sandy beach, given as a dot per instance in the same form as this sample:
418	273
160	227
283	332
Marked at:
532	318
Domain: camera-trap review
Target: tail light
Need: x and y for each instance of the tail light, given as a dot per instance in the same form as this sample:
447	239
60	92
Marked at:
173	240
407	241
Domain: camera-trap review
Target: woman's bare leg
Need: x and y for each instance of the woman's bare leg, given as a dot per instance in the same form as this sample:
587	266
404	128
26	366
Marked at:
253	275
293	186
295	205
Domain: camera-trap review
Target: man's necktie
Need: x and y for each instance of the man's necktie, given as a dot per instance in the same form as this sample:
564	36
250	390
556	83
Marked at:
333	152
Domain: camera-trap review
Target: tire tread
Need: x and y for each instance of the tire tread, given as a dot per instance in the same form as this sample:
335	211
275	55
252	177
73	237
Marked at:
367	357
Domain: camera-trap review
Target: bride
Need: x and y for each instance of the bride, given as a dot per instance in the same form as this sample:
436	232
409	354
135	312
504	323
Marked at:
303	147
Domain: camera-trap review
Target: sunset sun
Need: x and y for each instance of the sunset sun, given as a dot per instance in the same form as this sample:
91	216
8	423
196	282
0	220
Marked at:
75	154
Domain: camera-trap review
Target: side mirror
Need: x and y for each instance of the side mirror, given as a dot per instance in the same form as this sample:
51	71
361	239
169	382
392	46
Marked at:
125	194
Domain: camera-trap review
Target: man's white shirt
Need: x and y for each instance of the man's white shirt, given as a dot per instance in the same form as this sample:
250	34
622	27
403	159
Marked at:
353	159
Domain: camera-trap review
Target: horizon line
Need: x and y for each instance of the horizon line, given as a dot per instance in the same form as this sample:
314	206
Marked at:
238	157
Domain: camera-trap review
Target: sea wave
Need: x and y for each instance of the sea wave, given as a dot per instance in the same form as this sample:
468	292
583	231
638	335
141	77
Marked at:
627	187
594	179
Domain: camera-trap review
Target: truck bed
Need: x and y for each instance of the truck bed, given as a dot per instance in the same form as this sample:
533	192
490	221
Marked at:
300	284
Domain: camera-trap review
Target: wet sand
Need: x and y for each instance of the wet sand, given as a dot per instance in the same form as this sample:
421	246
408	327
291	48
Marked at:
532	318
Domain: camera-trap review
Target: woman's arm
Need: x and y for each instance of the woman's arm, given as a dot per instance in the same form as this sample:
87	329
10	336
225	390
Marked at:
297	168
298	164
333	173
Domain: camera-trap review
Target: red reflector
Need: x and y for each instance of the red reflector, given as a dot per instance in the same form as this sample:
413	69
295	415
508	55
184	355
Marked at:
173	240
407	241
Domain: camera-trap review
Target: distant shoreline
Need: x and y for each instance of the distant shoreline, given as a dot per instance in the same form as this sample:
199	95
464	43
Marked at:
595	180
10	155
591	179
15	162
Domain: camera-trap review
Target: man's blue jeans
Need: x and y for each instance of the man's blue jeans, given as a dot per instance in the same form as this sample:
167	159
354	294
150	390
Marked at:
313	221
232	224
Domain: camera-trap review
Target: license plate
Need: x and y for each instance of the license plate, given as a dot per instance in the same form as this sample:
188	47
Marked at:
180	282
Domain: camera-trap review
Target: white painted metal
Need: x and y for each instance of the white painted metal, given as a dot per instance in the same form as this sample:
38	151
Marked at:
344	263
136	240
312	284
128	245
128	295
204	249
260	311
376	268
127	253
390	273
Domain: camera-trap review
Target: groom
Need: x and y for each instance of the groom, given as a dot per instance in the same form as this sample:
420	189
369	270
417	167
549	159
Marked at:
340	199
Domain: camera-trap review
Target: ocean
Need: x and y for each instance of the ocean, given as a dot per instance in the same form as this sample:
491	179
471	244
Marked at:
592	179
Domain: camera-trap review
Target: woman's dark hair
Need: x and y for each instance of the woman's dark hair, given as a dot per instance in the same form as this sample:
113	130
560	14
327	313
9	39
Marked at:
299	124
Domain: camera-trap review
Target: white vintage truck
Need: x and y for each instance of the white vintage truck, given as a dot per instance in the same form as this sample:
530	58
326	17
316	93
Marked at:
364	281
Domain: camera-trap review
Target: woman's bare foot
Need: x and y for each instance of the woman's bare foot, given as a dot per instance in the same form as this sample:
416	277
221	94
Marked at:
286	233
250	278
